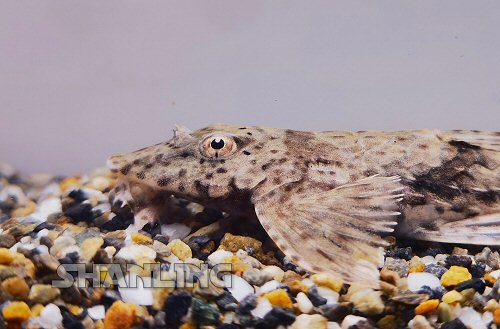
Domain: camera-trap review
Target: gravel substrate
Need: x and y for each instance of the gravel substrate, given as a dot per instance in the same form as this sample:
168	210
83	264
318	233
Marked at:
48	221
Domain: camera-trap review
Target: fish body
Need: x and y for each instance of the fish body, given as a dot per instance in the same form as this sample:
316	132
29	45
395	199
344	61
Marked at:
327	198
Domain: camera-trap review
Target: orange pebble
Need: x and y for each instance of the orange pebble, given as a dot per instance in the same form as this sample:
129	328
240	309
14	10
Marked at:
496	316
427	306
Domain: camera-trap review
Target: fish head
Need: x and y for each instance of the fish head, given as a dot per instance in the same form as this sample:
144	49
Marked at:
220	165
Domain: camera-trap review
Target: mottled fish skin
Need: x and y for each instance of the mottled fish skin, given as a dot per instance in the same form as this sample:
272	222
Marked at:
351	187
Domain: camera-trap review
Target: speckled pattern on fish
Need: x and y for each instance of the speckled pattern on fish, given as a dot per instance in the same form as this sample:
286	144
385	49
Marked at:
327	198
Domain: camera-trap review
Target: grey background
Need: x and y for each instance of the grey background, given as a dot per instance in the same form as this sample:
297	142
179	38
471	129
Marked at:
80	80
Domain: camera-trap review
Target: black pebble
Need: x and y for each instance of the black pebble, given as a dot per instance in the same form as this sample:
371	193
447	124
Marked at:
161	238
455	324
458	260
152	228
477	284
80	212
109	297
176	306
117	223
432	293
70	321
435	269
403	253
46	241
315	298
247	304
277	316
335	312
477	270
227	302
78	195
433	252
44	225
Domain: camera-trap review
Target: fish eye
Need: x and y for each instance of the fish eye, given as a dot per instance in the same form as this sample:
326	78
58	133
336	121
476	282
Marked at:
218	146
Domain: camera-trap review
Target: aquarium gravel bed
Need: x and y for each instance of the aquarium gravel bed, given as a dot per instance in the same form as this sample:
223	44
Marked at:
53	227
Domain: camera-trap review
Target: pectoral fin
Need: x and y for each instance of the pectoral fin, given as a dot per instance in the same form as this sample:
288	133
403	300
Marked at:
335	231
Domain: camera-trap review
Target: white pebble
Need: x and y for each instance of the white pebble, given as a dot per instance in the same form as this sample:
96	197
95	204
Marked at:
487	317
471	318
132	290
419	279
428	260
495	274
136	252
262	308
268	286
351	320
309	321
332	325
303	302
50	317
97	312
274	271
332	297
218	256
50	205
238	287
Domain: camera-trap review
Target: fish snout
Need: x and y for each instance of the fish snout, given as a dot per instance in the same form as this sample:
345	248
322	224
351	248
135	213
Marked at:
115	162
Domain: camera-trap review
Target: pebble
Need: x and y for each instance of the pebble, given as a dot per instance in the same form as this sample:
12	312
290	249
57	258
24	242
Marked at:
268	286
97	312
175	231
51	317
279	316
180	249
427	307
435	269
239	288
120	316
315	298
263	307
203	313
16	312
218	256
274	272
6	256
367	301
133	291
89	248
400	266
351	321
43	293
455	275
279	297
328	280
310	321
403	253
16	287
336	312
477	284
458	260
303	303
7	240
419	322
452	297
234	243
471	319
257	277
477	270
136	253
419	279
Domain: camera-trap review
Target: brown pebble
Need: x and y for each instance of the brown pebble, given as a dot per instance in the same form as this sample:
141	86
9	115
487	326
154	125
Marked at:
16	287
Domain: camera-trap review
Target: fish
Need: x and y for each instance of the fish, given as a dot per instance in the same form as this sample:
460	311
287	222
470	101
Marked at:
328	199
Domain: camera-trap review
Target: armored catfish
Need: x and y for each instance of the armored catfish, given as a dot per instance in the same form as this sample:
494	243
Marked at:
327	198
